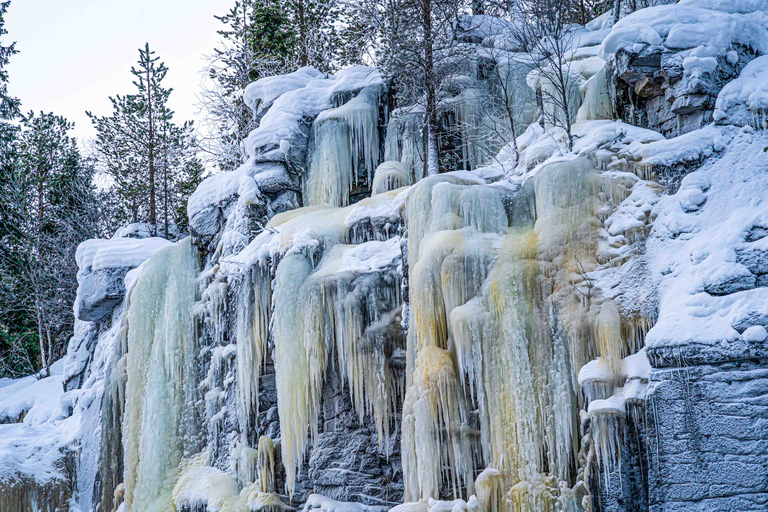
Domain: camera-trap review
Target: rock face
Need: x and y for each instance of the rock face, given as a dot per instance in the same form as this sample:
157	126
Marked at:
347	464
479	335
706	435
99	292
650	89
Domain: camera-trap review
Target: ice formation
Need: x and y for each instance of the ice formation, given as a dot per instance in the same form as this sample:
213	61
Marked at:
345	149
159	422
476	340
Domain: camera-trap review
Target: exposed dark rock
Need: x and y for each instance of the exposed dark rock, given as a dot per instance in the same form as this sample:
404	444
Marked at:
99	292
651	90
707	440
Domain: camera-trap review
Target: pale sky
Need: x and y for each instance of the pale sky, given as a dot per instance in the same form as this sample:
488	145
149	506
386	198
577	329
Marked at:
74	54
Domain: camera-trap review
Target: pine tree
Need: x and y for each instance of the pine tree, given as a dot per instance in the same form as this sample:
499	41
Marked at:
256	42
141	149
263	38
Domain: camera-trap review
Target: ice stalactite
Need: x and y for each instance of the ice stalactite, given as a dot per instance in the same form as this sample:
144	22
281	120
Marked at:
266	464
346	306
300	361
481	130
345	151
160	424
455	225
596	104
435	447
253	314
517	312
390	175
489	486
404	141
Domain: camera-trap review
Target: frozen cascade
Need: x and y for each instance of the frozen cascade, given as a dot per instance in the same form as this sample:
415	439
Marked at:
404	141
160	424
345	151
324	311
516	313
300	361
390	175
253	308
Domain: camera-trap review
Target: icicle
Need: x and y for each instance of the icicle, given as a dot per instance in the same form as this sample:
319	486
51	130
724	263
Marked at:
434	435
243	462
346	149
609	340
489	486
253	308
299	360
390	176
159	423
266	464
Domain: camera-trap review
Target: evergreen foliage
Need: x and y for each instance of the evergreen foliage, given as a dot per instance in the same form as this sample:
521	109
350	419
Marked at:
143	153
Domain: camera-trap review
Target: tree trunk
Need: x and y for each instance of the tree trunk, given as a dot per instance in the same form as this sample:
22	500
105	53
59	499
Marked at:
43	353
429	79
151	151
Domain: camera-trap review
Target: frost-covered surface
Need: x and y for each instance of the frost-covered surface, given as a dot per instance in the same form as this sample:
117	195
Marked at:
281	125
260	94
709	32
491	321
59	426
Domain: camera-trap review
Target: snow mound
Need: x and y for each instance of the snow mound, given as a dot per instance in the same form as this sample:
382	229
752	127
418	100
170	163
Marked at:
744	101
707	250
98	254
260	94
706	32
730	6
282	124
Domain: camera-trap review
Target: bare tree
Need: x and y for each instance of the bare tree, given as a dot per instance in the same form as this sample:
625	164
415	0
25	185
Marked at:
546	34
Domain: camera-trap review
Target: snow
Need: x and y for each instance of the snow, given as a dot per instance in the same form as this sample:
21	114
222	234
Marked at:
31	448
97	254
319	503
218	188
745	99
36	398
730	6
756	333
260	94
281	125
365	258
689	147
704	290
682	27
201	485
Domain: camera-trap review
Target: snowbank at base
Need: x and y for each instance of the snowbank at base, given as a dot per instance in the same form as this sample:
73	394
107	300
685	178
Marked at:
32	448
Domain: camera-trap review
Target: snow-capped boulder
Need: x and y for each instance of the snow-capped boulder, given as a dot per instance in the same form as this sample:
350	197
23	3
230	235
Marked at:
744	101
103	265
671	61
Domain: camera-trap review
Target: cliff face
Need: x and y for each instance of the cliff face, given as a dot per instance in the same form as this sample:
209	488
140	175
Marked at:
540	330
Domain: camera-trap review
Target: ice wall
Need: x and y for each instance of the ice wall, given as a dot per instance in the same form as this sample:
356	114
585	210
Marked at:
160	423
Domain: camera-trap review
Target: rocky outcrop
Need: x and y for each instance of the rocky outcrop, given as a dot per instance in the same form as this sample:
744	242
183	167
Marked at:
650	89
